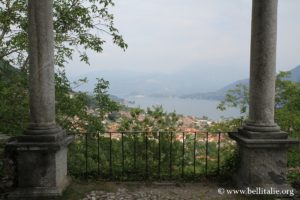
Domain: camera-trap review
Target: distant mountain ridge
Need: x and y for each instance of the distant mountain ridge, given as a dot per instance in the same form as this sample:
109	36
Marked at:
126	83
294	74
221	93
181	84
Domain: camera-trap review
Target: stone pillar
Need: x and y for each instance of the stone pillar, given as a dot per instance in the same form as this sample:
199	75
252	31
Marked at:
41	62
263	71
262	145
41	152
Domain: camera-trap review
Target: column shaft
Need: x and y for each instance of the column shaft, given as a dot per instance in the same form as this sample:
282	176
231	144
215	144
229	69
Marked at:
263	64
262	146
41	63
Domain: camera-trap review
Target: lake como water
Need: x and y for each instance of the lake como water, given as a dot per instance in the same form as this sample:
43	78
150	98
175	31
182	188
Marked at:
192	107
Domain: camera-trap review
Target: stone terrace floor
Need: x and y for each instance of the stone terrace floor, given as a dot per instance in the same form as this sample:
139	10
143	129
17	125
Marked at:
95	190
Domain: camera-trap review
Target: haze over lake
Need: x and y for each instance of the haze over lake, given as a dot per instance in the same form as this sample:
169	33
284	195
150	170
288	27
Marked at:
193	107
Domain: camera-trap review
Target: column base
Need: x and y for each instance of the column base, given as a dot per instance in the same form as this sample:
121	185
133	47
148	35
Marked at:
41	165
258	131
39	192
263	162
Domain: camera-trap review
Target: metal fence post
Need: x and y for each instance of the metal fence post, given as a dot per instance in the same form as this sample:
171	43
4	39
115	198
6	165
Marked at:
195	136
182	161
159	155
86	156
170	161
219	140
206	153
110	156
122	155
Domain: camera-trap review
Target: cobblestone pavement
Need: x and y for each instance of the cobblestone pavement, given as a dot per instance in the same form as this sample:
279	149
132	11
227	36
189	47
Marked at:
178	191
157	192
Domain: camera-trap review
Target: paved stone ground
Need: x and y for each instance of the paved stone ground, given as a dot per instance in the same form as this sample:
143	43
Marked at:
157	191
168	191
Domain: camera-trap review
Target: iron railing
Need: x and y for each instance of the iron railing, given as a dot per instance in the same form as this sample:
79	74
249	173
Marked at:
153	155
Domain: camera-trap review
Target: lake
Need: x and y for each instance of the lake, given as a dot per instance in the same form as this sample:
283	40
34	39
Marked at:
193	107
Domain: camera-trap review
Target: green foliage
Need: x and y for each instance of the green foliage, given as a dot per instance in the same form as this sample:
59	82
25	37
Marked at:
154	119
237	98
294	160
287	114
78	112
141	161
14	108
102	99
287	107
230	164
226	125
71	107
77	26
285	89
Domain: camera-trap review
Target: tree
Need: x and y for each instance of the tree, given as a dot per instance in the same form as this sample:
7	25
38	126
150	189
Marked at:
287	98
287	107
225	125
77	26
154	119
285	89
14	107
103	105
71	107
80	112
103	102
237	98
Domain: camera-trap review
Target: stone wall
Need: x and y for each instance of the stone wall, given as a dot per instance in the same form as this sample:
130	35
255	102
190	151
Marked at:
7	169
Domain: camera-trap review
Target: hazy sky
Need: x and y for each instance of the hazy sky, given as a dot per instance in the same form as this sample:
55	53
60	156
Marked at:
175	35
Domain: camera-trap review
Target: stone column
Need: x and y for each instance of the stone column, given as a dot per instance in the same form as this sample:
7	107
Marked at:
41	152
262	145
41	71
263	70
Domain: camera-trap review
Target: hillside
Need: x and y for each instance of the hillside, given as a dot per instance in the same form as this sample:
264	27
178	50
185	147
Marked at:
124	83
220	94
217	95
295	74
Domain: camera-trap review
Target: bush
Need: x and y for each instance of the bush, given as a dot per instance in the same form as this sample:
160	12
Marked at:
136	167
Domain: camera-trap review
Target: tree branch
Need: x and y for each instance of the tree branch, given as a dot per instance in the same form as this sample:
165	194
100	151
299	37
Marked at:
2	55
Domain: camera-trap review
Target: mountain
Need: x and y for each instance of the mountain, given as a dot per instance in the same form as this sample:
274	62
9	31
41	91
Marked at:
125	83
220	94
185	84
294	74
216	95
